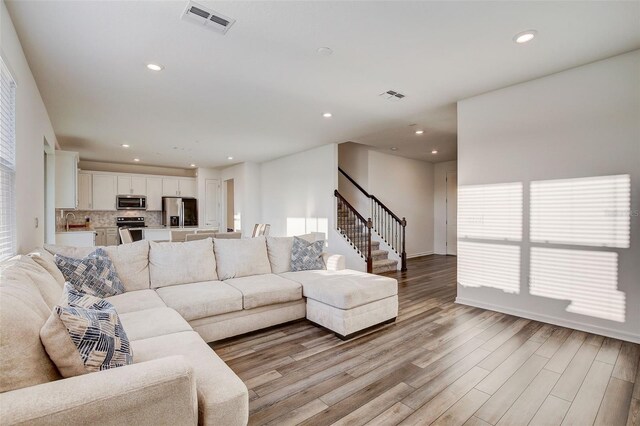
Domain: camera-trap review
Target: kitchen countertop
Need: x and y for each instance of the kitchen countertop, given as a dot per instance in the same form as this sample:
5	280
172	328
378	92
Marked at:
174	228
75	231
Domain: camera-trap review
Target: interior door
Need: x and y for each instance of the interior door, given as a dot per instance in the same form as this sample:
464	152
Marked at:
452	213
212	203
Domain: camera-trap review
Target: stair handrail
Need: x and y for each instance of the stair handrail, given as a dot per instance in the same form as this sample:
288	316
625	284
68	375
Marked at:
395	237
356	241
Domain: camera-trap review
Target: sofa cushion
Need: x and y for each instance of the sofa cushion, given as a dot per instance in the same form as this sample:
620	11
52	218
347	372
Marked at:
181	263
130	260
222	397
279	251
152	323
241	258
306	256
45	259
199	300
344	289
134	301
23	312
93	274
49	288
266	289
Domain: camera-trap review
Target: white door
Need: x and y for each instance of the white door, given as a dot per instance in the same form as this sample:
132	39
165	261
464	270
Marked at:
138	185
124	185
170	187
188	188
212	203
84	191
452	213
154	194
104	192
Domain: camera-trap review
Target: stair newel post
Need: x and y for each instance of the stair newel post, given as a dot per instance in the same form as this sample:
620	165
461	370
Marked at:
369	256
404	245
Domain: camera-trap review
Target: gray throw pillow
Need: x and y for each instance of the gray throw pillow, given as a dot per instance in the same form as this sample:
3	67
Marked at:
306	256
94	274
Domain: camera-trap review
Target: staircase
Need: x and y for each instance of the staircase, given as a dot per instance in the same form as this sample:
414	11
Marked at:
356	234
358	231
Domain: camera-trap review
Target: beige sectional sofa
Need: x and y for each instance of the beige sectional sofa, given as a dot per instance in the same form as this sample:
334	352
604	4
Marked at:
178	297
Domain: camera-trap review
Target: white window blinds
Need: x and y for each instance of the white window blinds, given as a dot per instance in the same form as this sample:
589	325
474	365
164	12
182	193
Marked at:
7	163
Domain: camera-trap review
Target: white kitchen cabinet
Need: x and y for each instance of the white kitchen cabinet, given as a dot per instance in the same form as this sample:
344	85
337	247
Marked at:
154	194
179	187
132	185
66	179
85	199
104	192
170	187
101	237
111	236
187	188
76	238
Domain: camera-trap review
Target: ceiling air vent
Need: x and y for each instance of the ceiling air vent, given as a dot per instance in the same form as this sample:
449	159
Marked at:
206	17
391	95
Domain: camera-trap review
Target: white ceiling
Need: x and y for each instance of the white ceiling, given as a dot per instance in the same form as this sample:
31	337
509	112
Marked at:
259	92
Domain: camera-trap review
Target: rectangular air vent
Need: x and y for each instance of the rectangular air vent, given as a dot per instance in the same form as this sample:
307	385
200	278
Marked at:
391	95
206	17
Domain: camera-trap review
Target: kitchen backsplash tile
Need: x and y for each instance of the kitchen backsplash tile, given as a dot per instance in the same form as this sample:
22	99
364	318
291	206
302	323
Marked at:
106	218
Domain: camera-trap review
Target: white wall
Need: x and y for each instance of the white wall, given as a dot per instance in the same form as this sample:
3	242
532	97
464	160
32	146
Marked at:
440	171
402	184
32	127
582	123
297	198
246	177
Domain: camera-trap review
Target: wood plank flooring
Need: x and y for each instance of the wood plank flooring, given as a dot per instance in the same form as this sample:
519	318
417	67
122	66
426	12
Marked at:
441	364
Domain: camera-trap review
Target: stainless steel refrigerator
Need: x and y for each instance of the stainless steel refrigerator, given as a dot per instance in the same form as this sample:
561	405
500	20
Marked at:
179	211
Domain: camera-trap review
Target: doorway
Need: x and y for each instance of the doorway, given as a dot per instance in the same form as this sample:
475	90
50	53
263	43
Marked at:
230	203
452	213
212	203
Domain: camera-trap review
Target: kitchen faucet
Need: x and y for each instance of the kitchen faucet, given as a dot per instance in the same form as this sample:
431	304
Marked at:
66	220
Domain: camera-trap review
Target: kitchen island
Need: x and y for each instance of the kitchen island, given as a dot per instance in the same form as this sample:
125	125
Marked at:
163	233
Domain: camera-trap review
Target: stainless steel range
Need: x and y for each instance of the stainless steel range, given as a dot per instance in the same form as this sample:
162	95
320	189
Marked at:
132	222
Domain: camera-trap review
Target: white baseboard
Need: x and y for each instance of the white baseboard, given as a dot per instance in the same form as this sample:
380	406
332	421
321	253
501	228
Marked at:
604	331
426	253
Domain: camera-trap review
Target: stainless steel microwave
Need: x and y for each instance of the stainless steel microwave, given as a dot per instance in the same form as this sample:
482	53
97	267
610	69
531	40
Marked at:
131	202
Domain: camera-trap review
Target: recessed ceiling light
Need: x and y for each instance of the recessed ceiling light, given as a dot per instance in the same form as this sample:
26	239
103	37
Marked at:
419	132
229	158
327	115
325	51
124	145
155	67
434	151
137	160
525	36
393	148
192	165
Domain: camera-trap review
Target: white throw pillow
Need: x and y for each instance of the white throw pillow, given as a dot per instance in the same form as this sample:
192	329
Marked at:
241	258
181	263
279	251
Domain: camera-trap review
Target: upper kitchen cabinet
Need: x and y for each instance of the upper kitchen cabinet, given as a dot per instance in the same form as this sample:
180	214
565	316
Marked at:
178	187
188	188
104	191
132	185
170	187
154	194
85	191
66	179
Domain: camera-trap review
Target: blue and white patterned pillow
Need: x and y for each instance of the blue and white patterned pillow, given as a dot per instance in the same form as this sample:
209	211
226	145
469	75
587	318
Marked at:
94	275
78	299
306	256
98	336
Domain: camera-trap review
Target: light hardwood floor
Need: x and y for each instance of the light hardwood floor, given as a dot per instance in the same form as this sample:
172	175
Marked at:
440	363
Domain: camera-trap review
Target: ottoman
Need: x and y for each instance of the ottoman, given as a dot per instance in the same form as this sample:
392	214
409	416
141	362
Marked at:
347	302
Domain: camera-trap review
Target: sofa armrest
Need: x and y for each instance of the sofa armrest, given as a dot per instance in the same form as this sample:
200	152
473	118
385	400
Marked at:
334	262
161	391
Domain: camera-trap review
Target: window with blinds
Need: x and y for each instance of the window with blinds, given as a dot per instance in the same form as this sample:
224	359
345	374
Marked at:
7	163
